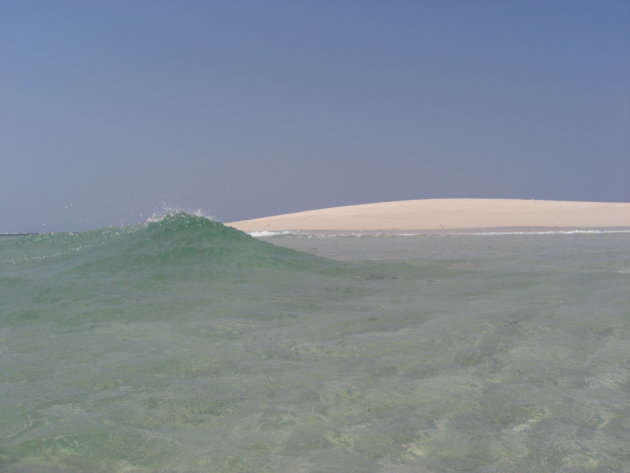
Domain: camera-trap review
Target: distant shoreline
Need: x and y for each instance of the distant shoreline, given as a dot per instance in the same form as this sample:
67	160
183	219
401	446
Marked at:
462	231
17	234
450	215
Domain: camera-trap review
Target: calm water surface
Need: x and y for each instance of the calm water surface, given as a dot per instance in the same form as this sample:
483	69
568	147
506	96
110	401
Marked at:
185	346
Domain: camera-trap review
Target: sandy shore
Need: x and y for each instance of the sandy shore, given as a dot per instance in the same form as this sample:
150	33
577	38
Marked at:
448	214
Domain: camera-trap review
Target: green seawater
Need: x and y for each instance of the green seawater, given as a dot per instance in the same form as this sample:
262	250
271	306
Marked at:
186	346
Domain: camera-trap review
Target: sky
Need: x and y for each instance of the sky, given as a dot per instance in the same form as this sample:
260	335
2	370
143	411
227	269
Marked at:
113	111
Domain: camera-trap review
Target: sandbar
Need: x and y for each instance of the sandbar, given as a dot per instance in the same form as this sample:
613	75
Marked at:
447	215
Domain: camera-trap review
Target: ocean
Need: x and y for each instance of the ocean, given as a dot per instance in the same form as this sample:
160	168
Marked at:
181	345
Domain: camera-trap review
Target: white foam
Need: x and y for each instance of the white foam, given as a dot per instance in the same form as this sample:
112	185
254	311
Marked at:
166	210
548	232
267	234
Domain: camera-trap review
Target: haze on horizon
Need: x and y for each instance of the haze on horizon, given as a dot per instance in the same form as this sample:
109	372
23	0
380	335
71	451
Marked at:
111	110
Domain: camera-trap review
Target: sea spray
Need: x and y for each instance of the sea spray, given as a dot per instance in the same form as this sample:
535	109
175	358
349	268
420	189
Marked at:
182	345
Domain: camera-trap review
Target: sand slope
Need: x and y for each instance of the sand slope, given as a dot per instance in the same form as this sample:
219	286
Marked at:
448	214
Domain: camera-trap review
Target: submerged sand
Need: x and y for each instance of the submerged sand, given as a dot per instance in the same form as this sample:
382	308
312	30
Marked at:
448	214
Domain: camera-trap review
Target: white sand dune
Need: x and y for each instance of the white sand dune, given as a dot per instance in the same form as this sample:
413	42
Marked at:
448	214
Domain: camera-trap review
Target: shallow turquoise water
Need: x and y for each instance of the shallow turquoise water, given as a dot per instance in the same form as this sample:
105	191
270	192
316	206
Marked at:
185	346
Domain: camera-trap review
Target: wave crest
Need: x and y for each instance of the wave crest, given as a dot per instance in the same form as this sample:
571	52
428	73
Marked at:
177	242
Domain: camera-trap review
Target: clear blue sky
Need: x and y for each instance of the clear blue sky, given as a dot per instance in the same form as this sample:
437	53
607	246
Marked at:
109	109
